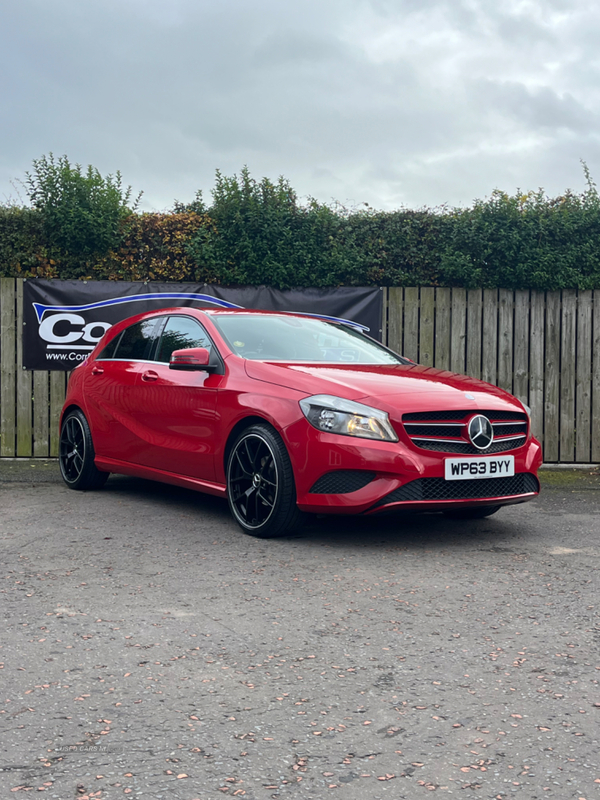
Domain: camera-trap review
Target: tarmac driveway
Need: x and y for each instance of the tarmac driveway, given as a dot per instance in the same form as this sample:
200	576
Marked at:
151	650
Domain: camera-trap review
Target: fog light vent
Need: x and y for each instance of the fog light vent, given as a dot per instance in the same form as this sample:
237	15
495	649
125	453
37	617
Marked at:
342	481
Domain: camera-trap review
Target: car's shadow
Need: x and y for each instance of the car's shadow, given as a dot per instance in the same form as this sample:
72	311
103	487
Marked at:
398	529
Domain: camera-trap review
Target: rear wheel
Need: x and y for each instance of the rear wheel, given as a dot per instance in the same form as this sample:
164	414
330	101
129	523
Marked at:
472	513
77	454
260	483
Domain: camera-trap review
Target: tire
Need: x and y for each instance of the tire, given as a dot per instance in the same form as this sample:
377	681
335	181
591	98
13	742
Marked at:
260	484
77	454
472	513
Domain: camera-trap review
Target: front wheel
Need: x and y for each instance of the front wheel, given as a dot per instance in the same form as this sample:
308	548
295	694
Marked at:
260	483
77	454
472	513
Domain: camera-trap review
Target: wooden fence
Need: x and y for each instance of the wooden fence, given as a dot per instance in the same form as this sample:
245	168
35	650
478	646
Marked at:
544	347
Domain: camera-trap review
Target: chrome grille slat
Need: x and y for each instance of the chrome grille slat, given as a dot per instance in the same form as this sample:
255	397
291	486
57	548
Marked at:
434	424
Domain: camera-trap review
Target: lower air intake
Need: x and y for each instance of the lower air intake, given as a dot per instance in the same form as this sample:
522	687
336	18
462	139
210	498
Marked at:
425	489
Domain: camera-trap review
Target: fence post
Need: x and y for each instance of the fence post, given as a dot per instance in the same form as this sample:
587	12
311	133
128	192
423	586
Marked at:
8	363
583	382
24	385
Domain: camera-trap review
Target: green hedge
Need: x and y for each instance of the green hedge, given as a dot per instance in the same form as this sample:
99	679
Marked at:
258	232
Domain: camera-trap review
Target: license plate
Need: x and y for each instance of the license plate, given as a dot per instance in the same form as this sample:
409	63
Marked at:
468	469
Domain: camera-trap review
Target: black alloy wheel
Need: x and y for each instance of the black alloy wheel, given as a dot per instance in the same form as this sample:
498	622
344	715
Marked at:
472	513
76	454
260	483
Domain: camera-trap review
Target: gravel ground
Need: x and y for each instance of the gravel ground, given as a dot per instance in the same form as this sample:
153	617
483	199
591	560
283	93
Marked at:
151	650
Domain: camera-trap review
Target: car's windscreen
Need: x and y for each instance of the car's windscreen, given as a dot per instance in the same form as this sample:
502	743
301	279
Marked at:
280	338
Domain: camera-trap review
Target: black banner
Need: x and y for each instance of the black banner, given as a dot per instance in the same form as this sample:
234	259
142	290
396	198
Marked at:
63	320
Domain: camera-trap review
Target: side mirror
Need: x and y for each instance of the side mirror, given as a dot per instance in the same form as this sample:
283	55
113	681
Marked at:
192	358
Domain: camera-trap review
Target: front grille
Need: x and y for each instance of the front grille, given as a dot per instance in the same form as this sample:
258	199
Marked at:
424	489
435	415
414	430
430	416
507	429
342	481
498	446
426	430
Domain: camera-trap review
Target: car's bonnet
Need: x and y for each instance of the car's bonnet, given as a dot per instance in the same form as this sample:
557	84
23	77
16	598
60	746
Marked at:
410	384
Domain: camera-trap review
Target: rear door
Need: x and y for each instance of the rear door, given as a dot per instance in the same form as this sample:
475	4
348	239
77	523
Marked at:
109	389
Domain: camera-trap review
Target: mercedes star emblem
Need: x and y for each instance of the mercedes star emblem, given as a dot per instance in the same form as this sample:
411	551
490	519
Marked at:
481	432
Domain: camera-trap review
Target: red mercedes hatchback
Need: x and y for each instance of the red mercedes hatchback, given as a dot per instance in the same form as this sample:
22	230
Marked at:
286	413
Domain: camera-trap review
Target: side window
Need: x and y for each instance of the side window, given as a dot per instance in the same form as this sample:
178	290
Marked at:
109	350
180	333
136	342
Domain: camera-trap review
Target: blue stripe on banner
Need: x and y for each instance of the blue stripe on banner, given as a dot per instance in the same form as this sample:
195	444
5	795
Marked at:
40	308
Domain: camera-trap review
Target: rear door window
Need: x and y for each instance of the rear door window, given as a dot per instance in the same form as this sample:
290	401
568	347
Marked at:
137	342
109	350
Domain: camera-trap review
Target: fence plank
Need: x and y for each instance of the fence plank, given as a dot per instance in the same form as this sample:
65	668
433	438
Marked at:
426	326
7	367
443	301
411	322
24	388
383	330
551	402
458	331
58	383
395	308
521	347
583	367
40	414
505	339
596	379
567	376
489	343
536	364
474	317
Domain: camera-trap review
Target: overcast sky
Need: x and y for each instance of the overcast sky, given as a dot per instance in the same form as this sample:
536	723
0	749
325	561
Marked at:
386	102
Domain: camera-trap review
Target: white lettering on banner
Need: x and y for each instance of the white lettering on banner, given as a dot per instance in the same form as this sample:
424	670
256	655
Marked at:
66	356
86	333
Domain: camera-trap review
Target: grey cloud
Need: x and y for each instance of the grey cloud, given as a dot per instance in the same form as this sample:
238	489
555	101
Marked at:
290	48
388	102
534	109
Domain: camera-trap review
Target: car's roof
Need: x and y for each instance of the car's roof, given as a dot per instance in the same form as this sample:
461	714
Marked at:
218	311
212	311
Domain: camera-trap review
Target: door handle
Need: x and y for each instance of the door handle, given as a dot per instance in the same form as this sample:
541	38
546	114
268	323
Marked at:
97	370
150	375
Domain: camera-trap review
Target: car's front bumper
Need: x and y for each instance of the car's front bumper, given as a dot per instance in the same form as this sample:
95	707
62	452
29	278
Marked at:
343	475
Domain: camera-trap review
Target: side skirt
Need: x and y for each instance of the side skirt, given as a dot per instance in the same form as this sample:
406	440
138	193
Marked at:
138	471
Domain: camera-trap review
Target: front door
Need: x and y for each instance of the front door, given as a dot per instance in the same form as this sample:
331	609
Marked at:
177	410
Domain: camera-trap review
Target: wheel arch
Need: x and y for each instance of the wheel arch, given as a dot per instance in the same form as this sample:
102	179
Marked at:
68	409
239	426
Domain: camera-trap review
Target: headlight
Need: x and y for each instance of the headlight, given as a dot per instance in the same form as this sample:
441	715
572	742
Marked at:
527	409
336	415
